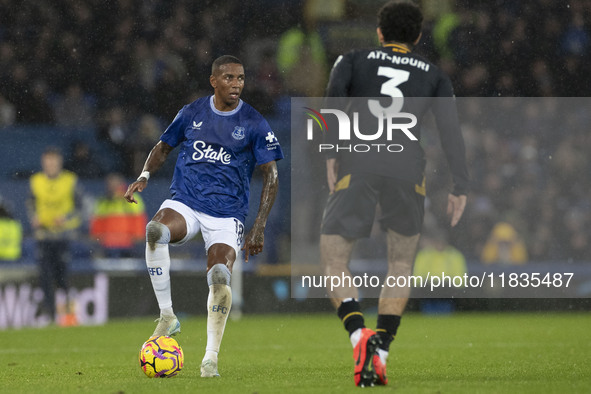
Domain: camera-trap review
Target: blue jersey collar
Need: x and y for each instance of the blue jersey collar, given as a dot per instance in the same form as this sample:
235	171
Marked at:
224	113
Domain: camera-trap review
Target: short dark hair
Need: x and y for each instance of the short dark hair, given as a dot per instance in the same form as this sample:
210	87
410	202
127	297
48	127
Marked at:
400	21
52	150
225	59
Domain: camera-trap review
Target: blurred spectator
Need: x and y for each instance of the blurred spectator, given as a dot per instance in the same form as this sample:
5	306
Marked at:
570	161
301	59
7	112
145	137
39	110
115	130
573	232
16	90
267	88
7	60
445	24
504	245
82	161
437	256
542	83
11	234
74	109
171	93
116	224
53	211
474	81
267	75
575	39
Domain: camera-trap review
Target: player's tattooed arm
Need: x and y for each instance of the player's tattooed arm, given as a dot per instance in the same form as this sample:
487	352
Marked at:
155	159
255	239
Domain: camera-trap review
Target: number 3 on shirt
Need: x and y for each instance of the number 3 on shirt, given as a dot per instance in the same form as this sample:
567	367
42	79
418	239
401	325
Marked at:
390	88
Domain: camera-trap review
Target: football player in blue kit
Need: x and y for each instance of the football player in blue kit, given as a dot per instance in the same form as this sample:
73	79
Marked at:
221	139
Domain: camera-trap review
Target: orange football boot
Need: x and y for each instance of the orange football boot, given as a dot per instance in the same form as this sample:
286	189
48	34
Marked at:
363	354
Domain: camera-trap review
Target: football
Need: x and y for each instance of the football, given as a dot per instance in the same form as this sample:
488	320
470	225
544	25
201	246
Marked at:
161	357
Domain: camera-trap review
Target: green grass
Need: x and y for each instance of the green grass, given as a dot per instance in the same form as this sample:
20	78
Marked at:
461	353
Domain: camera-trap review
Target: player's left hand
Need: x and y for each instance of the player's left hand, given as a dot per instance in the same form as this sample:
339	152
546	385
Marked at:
455	207
253	242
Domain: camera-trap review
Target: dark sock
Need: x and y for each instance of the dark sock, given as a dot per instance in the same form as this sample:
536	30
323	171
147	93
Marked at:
386	329
350	314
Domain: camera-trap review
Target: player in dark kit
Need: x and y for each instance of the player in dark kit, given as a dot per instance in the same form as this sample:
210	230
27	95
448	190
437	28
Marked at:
393	178
221	139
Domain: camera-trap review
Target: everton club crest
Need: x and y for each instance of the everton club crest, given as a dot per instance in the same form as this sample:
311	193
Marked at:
238	133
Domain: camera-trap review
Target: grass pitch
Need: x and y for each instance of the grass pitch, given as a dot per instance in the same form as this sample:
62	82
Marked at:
460	353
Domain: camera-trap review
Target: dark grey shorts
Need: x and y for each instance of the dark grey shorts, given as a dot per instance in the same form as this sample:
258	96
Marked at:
351	209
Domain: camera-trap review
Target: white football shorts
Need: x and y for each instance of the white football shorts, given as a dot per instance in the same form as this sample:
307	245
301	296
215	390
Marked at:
229	231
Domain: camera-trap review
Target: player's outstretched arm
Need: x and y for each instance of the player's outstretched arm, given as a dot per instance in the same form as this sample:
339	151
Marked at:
155	159
255	239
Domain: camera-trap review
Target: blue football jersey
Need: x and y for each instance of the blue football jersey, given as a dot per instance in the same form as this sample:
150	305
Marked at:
218	154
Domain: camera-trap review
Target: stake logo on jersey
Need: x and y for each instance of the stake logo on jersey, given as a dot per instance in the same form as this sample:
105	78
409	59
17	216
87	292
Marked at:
211	153
218	153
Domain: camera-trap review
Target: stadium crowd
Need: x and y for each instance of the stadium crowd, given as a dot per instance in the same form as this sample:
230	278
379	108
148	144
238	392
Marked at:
121	69
527	164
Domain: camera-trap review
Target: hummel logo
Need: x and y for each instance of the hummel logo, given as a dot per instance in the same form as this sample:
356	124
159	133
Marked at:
197	125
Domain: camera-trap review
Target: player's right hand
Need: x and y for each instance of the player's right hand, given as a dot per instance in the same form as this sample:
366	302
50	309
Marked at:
455	207
331	174
137	186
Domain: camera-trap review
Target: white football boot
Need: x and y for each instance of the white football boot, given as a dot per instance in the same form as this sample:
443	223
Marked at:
167	325
209	369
